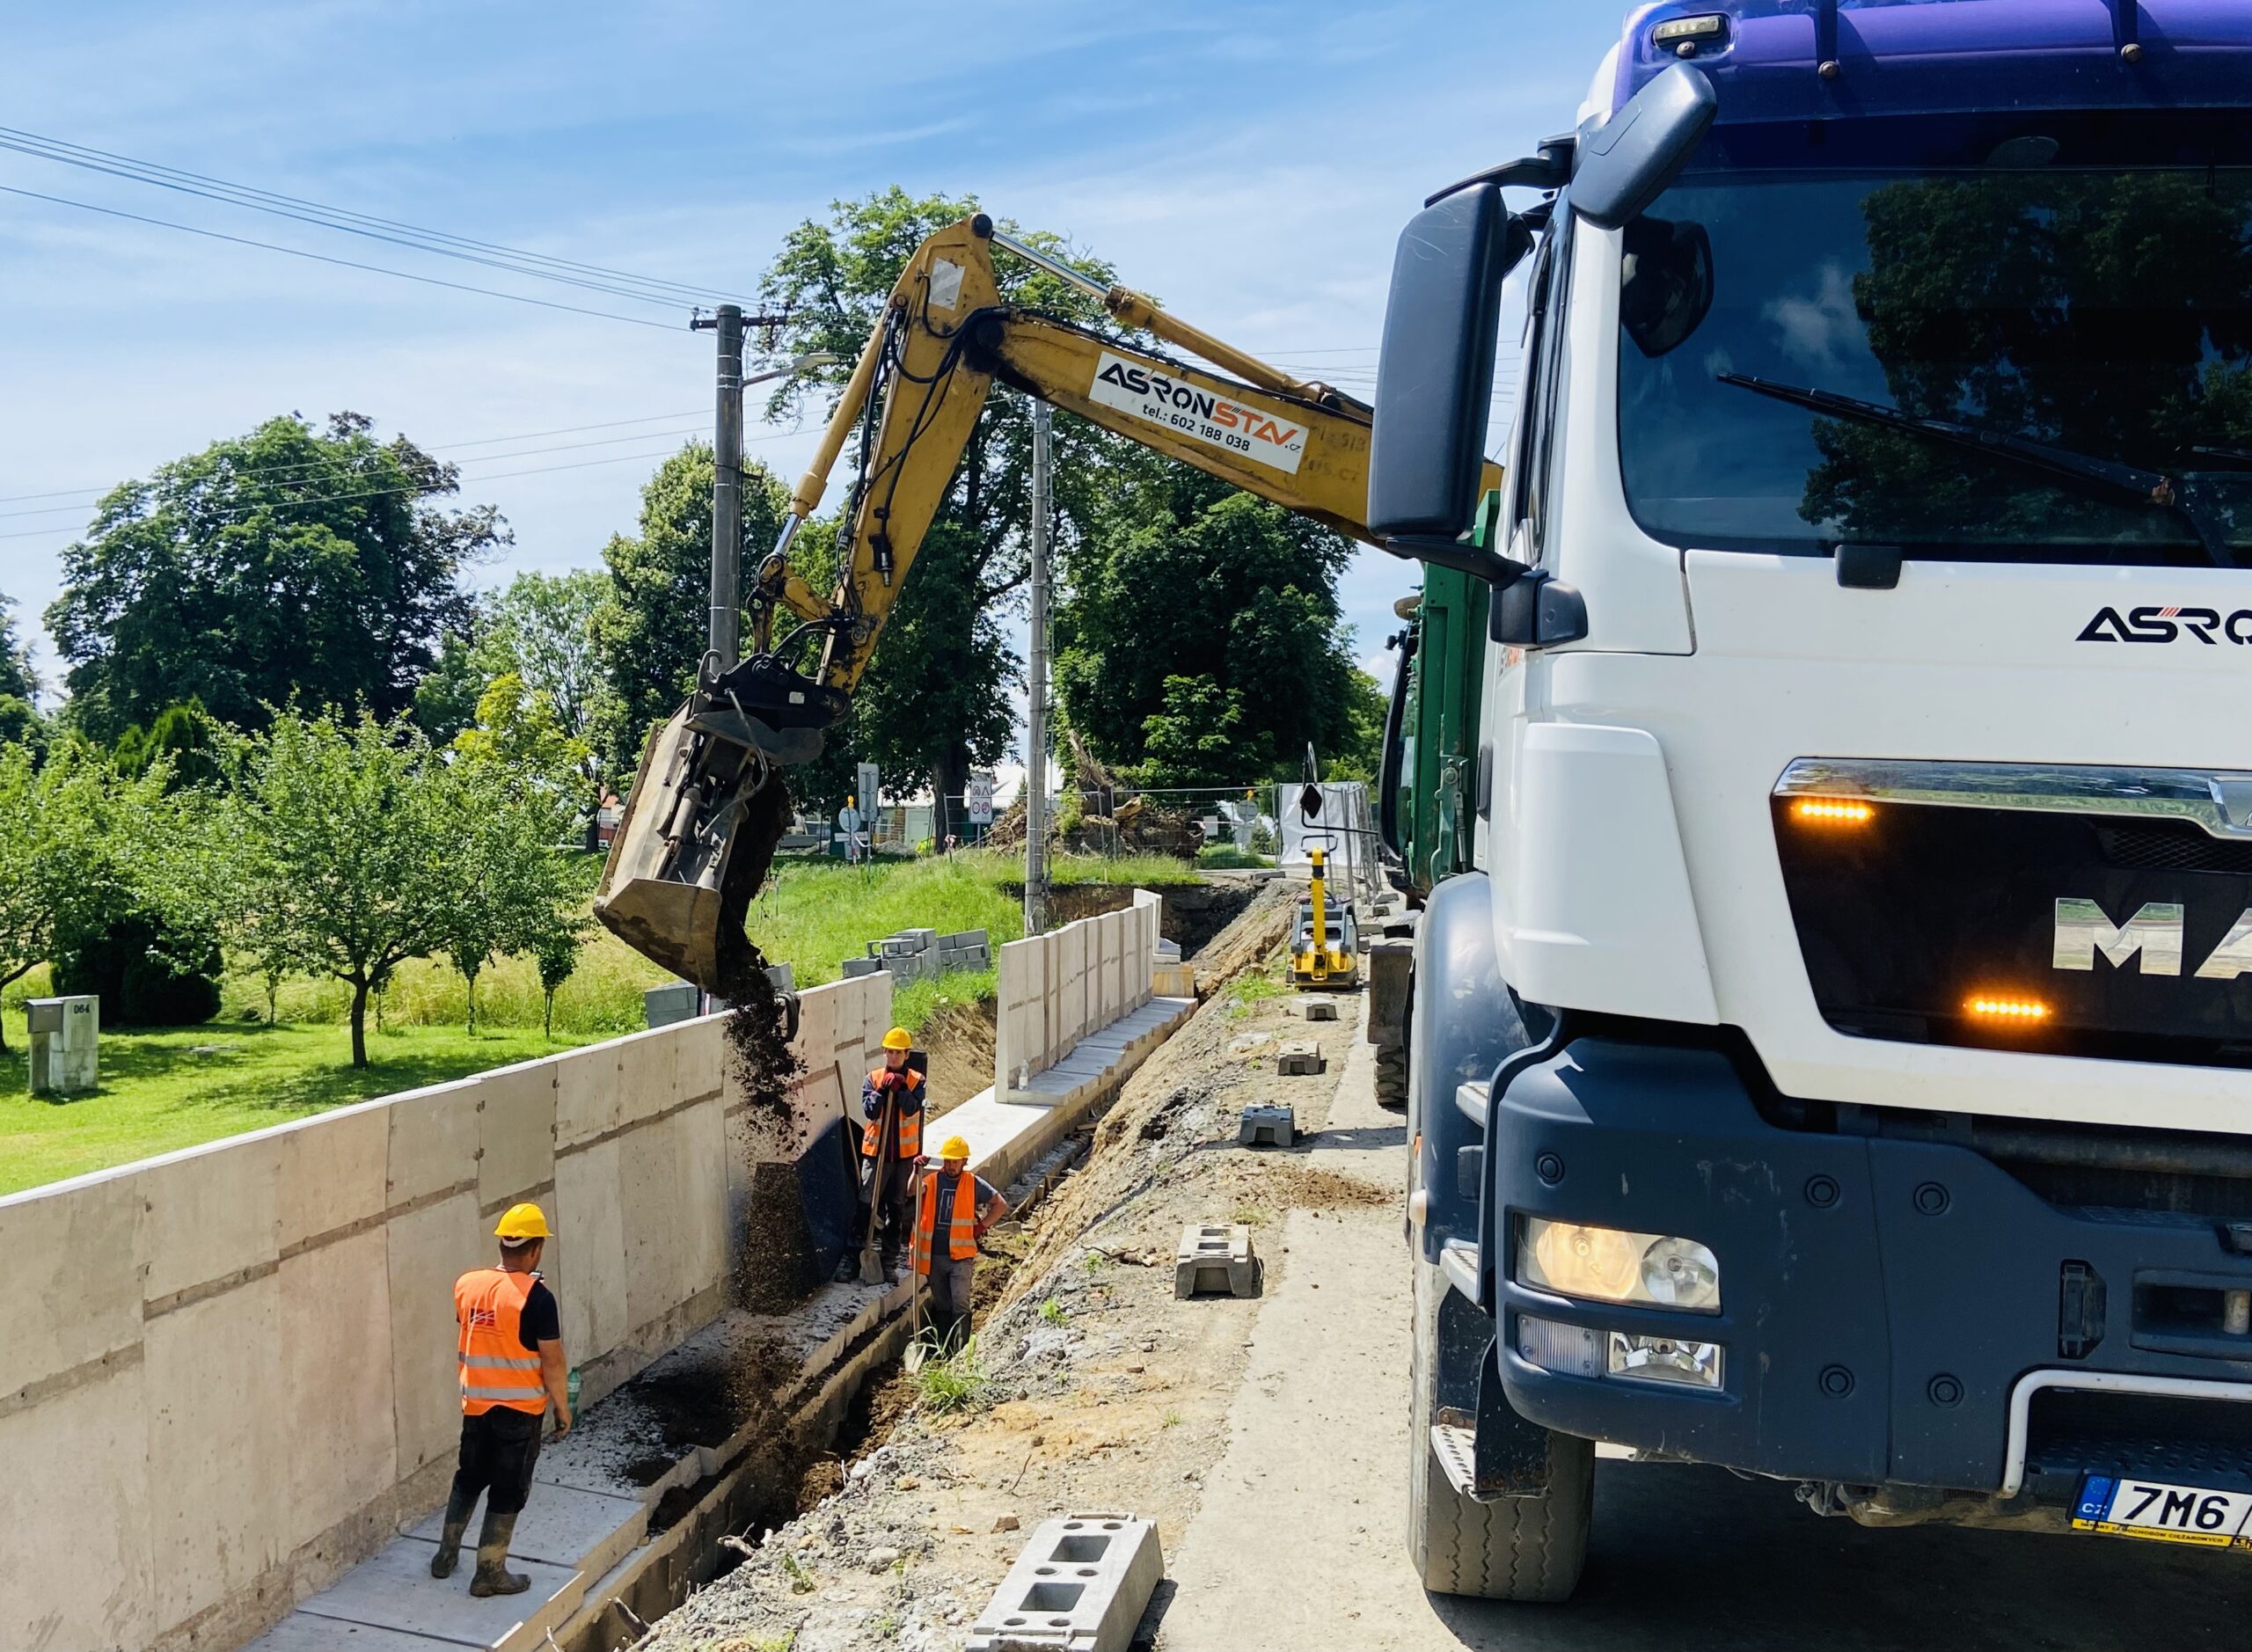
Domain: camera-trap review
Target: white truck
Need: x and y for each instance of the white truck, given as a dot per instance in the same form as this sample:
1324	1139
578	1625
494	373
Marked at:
1834	1064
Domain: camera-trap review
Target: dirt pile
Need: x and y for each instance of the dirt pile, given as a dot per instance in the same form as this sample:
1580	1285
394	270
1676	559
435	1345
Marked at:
1252	934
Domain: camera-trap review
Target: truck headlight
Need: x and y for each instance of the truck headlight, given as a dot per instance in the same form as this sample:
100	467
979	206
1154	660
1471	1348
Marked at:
1605	1264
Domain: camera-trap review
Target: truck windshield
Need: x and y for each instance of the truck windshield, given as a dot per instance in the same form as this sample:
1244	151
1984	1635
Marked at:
2104	314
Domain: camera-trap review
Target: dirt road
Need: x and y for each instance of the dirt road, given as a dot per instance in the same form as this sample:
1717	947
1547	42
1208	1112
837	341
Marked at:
1297	1539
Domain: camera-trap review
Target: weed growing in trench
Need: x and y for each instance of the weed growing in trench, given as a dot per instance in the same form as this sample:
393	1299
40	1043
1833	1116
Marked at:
1054	1311
800	1579
1171	1419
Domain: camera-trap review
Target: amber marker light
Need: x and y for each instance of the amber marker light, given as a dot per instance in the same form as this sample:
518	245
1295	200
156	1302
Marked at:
2007	1012
1831	811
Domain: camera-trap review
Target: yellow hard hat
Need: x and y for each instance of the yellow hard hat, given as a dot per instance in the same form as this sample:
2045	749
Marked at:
522	1222
898	1038
953	1147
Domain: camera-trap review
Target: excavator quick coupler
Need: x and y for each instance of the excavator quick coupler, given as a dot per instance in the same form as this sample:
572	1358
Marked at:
707	807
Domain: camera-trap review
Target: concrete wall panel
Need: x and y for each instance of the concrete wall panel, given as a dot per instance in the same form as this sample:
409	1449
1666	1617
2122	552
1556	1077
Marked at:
586	1095
433	1141
429	1249
217	1450
331	1316
591	1252
74	1505
69	1279
210	1215
648	1075
515	1133
703	1209
333	1171
653	1186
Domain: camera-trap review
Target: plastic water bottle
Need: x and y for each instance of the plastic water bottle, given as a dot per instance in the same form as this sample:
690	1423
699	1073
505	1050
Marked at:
571	1392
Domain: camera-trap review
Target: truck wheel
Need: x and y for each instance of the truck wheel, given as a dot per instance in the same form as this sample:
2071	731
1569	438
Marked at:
1392	1077
1513	1548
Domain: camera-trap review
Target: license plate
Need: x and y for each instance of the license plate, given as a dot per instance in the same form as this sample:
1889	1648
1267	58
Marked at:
2154	1508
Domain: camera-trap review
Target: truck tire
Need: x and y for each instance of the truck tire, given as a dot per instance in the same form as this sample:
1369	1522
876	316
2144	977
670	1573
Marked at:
1513	1548
1392	1077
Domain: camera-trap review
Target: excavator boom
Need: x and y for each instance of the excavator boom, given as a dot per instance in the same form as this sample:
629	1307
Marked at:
708	804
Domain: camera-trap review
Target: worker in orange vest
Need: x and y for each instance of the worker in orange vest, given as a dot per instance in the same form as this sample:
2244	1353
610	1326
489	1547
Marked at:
952	1214
510	1352
891	1101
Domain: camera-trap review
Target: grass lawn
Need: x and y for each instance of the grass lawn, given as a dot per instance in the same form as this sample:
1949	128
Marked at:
158	1093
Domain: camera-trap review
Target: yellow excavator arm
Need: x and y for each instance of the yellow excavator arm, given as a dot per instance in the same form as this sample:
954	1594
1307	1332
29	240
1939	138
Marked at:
706	810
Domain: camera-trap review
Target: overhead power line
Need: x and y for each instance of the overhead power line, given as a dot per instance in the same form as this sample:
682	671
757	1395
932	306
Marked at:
518	261
322	257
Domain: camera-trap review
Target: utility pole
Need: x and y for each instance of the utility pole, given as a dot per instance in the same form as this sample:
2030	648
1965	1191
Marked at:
1035	740
724	633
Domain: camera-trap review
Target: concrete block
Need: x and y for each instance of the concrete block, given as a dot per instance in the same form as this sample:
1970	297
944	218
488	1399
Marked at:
433	1140
1277	1126
515	1133
1317	1009
395	1591
590	1243
587	1094
1299	1056
854	968
70	1281
674	1001
332	1384
653	1186
211	1214
217	1449
1215	1258
1079	1585
703	1147
428	1249
332	1171
74	1504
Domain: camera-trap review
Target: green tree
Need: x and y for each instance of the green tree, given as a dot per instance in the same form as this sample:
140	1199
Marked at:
445	701
555	950
651	626
933	703
345	830
287	565
17	680
541	626
1200	642
184	737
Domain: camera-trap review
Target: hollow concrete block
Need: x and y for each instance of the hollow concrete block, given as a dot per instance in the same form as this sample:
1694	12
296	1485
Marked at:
1215	1258
332	1171
428	1249
1080	1585
333	1383
590	1240
217	1449
433	1140
211	1213
74	1504
1299	1056
70	1283
515	1133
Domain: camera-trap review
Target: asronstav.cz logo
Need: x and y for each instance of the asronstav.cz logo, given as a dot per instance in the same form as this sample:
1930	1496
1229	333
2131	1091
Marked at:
2169	625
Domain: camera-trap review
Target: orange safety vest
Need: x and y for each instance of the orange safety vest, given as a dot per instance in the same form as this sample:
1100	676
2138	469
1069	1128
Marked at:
496	1368
962	1221
910	1124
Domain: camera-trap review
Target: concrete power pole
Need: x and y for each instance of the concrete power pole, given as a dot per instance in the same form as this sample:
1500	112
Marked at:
727	494
1035	740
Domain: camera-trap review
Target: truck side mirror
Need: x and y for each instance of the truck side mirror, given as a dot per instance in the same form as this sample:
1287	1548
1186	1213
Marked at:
1435	378
1625	163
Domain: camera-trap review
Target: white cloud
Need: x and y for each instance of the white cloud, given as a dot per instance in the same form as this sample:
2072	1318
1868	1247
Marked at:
1818	329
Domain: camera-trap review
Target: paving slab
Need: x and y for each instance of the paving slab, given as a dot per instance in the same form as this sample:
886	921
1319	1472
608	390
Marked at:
303	1632
561	1525
395	1591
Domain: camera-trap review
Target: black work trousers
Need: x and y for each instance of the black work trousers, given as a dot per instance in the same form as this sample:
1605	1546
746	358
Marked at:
891	1201
499	1449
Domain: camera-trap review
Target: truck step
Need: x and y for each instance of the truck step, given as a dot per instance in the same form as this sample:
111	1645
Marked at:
1474	1101
1457	1450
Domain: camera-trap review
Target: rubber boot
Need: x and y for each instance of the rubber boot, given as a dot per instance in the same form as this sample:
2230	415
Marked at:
449	1555
494	1576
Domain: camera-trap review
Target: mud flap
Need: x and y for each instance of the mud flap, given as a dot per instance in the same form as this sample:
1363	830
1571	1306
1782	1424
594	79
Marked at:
1496	1453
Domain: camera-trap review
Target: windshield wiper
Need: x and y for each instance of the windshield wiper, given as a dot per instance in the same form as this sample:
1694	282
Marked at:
2127	482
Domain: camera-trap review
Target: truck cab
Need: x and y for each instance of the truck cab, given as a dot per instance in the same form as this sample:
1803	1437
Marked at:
1833	1062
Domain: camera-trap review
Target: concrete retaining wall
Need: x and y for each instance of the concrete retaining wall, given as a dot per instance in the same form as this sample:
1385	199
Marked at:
226	1375
1055	989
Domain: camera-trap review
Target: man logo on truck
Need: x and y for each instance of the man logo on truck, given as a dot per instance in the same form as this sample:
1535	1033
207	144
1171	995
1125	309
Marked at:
2152	938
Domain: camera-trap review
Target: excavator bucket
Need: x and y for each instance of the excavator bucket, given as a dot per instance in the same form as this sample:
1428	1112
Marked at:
707	807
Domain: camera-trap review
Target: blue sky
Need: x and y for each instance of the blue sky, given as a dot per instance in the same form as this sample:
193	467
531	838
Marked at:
1249	164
